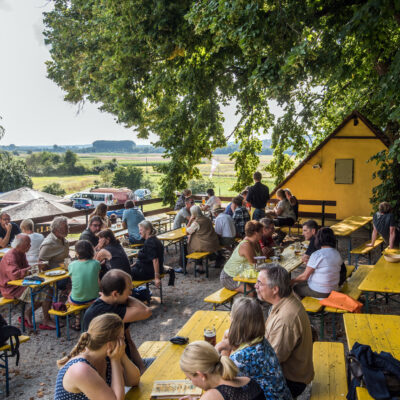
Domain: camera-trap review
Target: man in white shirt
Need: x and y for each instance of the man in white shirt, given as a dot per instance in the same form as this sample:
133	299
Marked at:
27	227
224	226
212	201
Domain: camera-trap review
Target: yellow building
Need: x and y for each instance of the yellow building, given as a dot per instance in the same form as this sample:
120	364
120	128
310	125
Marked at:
338	170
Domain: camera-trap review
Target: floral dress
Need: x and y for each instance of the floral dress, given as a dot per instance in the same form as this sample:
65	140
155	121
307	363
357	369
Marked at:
259	362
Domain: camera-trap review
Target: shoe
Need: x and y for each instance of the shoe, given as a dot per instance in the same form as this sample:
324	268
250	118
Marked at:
178	270
47	327
26	323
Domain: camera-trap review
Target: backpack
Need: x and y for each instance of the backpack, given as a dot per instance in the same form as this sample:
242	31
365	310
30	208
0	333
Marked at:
11	333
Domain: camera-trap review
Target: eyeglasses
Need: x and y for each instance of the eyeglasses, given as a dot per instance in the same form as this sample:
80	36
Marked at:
259	283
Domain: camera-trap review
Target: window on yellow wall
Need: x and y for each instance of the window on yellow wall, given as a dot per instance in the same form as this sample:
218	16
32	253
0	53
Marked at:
344	171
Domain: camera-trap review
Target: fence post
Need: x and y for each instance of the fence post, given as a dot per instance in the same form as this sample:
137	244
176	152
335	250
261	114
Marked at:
323	213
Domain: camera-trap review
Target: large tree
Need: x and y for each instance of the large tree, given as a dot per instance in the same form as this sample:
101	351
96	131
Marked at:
168	66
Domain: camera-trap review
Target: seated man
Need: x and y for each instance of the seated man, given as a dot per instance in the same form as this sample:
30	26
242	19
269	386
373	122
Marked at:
130	220
385	225
116	289
266	242
183	215
180	203
27	227
224	227
212	200
310	229
8	230
240	215
90	233
55	247
283	211
14	266
287	328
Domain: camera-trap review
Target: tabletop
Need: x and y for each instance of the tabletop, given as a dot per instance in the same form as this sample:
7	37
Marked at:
4	251
350	225
48	280
176	234
166	366
289	260
383	278
173	212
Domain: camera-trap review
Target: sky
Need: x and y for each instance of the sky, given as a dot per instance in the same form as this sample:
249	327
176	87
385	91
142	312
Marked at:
31	105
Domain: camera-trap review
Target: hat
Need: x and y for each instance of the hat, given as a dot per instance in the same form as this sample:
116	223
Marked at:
217	208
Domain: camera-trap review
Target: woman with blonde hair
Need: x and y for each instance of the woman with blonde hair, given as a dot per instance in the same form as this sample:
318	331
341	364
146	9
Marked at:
97	367
216	374
247	347
101	211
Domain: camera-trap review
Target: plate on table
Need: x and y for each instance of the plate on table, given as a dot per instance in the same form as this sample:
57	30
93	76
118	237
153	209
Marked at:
55	273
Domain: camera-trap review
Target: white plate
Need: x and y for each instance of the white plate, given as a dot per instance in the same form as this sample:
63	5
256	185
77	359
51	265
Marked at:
55	273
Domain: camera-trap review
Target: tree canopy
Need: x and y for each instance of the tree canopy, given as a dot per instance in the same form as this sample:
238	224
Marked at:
168	66
13	173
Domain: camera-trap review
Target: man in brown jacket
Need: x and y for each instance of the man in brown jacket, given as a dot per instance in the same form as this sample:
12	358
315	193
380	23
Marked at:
288	327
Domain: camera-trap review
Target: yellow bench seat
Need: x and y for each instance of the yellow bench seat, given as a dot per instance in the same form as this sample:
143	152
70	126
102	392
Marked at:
330	382
71	309
364	249
311	304
151	349
220	297
5	302
22	339
362	394
198	255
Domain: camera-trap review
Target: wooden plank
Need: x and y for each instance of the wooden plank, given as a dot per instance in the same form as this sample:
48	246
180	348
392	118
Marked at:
330	371
176	234
22	339
152	348
350	225
166	366
362	394
364	249
384	278
221	296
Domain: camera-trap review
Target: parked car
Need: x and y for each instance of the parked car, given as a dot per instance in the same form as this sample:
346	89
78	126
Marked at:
142	194
82	204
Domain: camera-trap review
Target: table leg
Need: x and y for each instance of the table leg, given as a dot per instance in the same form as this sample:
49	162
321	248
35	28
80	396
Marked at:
349	249
33	309
182	248
367	302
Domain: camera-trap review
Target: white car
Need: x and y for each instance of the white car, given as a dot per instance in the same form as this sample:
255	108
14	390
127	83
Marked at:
142	194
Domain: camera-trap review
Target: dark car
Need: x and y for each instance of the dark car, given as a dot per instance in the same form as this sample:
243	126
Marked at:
83	204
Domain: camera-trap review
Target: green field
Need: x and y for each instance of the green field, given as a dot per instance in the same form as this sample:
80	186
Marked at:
223	177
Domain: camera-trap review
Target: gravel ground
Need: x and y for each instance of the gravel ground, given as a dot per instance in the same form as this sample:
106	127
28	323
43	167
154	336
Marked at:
36	374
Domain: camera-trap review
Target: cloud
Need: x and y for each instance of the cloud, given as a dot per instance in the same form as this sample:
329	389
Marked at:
4	5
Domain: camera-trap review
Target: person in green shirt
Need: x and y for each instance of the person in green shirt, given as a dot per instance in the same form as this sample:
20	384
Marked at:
84	273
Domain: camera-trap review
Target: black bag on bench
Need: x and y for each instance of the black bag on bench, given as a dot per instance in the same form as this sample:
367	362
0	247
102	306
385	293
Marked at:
10	333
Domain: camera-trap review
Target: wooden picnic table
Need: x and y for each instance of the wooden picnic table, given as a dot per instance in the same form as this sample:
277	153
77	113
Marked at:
175	236
289	260
381	332
383	278
166	365
48	280
348	226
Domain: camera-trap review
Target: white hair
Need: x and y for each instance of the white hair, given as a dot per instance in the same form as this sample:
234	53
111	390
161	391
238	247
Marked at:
195	211
19	240
57	222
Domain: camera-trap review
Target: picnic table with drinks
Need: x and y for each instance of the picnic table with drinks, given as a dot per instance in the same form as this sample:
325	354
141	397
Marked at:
202	325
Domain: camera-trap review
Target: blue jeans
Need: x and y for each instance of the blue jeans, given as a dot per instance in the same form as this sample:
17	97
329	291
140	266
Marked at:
258	214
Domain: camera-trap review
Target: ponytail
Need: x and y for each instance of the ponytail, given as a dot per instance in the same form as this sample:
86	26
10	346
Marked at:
202	356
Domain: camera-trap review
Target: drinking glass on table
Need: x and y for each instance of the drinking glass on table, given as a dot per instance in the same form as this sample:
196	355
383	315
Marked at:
183	227
210	335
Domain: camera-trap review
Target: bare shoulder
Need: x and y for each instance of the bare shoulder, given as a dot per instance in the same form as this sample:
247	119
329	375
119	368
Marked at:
212	394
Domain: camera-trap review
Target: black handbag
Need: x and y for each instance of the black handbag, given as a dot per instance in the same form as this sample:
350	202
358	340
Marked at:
10	333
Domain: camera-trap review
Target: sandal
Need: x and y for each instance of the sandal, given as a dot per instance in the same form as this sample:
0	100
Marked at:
26	323
44	327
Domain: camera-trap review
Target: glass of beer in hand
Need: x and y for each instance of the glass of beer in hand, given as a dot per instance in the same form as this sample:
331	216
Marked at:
210	335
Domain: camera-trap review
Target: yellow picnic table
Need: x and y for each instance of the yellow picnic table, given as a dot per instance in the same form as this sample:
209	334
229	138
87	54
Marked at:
4	251
166	365
175	236
381	332
48	280
348	226
289	260
383	278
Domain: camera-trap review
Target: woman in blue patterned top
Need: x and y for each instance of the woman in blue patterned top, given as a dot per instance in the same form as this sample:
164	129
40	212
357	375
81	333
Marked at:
250	351
97	367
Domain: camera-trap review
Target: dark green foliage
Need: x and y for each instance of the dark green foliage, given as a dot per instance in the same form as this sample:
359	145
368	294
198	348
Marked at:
13	173
54	188
110	146
130	177
200	186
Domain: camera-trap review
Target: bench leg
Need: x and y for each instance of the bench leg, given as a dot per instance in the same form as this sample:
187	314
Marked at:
67	322
334	326
58	325
367	302
22	316
9	314
356	262
161	300
322	326
349	250
7	373
206	267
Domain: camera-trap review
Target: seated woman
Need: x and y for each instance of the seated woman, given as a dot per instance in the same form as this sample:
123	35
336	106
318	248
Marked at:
385	225
246	345
150	263
202	235
99	355
101	211
84	274
267	243
283	211
243	256
293	202
114	255
322	273
217	375
27	227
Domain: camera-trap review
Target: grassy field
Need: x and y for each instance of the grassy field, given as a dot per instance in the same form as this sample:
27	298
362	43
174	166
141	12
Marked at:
223	177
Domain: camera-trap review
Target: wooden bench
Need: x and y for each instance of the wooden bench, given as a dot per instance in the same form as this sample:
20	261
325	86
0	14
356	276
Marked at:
199	256
330	381
149	282
10	303
151	349
362	394
221	297
4	360
350	288
363	249
72	309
